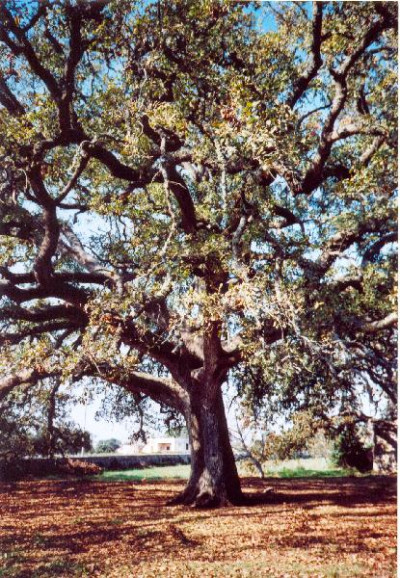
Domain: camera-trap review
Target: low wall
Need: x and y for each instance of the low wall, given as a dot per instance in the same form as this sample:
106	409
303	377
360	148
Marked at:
126	462
44	466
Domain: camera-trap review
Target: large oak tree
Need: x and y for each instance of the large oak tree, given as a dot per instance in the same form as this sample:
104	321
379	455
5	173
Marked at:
198	190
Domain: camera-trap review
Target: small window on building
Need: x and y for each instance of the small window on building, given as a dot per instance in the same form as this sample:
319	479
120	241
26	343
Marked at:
187	446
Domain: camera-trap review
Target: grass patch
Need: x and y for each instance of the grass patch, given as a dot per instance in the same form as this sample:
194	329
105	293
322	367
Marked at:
146	474
306	468
300	468
302	472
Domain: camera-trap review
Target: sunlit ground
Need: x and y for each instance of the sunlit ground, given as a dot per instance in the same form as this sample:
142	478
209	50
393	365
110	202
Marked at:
304	527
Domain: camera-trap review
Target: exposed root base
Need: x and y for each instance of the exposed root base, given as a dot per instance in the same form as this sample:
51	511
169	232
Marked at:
204	500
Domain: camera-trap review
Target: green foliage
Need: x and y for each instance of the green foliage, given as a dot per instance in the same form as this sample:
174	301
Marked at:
34	422
69	439
293	441
350	451
176	431
303	472
15	440
107	446
259	446
189	199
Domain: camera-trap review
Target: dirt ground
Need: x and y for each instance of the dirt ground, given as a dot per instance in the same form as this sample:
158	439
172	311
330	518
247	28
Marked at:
304	527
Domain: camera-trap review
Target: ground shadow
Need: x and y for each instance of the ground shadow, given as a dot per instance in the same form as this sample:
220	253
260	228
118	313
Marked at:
309	491
43	522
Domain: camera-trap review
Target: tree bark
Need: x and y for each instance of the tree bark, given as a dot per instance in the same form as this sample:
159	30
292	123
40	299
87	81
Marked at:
214	480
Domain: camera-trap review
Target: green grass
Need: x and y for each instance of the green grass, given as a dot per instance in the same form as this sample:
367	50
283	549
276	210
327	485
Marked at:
302	468
304	473
147	474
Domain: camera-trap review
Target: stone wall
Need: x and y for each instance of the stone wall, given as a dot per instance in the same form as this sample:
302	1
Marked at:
124	462
41	467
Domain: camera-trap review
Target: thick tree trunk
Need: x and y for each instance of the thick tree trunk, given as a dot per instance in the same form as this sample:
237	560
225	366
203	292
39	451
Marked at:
214	480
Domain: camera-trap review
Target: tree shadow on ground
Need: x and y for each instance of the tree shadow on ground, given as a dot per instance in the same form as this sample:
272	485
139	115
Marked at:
309	491
91	520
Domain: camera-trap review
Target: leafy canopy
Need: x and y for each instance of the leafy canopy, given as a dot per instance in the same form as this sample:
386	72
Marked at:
188	195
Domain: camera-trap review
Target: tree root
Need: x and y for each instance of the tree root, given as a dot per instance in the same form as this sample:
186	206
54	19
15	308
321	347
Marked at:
195	498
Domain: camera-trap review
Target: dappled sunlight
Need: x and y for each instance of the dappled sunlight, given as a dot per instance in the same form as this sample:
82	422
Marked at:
299	527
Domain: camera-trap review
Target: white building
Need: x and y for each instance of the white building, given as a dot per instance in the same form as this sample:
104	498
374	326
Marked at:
130	449
157	446
166	445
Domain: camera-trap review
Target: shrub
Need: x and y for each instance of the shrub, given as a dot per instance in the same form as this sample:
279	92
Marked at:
17	469
107	446
349	451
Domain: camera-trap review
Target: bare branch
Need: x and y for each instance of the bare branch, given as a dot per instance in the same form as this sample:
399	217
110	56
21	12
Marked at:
44	313
81	165
315	64
9	100
161	390
375	248
14	338
25	47
61	290
369	152
26	376
314	175
43	267
379	325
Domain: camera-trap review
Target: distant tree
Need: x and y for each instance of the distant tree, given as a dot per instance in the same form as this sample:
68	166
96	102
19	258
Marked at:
107	446
66	438
15	439
176	431
188	199
248	441
256	442
320	445
34	422
53	432
350	451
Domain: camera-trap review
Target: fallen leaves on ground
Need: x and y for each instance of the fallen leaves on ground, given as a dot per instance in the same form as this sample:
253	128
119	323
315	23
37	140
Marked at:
314	528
